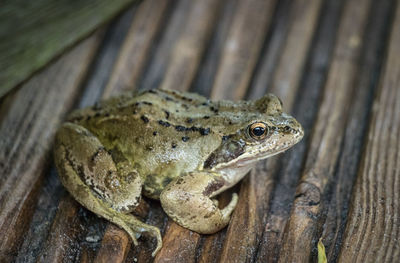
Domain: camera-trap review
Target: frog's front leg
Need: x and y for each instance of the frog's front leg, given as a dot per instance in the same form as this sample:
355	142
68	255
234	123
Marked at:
90	174
187	200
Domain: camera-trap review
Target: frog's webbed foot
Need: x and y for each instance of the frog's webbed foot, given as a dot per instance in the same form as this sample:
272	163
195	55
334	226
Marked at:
133	226
187	200
89	173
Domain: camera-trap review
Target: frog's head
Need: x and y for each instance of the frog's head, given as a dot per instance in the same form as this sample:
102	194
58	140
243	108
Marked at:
263	132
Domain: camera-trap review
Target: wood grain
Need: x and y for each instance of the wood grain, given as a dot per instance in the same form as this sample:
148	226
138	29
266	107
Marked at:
52	189
255	191
375	207
324	60
189	48
42	30
242	48
300	232
375	41
136	48
305	110
26	133
161	51
289	69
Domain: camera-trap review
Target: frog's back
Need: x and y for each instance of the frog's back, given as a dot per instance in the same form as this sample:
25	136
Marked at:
159	133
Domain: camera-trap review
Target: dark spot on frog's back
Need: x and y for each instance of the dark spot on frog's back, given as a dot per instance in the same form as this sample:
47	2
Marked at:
147	103
144	119
180	128
213	109
185	138
173	145
166	114
169	98
164	123
189	120
204	131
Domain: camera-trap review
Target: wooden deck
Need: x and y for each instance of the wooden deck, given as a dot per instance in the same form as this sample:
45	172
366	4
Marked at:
336	66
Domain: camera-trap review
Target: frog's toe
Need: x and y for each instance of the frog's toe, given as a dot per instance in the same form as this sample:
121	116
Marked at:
155	232
135	228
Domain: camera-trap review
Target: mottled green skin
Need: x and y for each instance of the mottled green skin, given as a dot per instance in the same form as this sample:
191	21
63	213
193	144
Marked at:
178	147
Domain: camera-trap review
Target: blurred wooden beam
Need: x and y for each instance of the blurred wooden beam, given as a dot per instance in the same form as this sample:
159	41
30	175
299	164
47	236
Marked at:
373	230
31	116
35	32
300	233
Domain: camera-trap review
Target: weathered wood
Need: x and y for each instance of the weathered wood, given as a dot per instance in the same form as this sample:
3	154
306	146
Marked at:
375	41
93	87
300	232
373	228
161	52
143	51
42	30
305	110
271	53
289	69
242	48
203	82
64	231
136	48
26	132
105	60
254	195
189	48
114	245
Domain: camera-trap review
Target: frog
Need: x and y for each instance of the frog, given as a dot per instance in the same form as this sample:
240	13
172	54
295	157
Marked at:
176	147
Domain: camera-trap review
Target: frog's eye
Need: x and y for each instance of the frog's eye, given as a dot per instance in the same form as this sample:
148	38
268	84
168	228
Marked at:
258	130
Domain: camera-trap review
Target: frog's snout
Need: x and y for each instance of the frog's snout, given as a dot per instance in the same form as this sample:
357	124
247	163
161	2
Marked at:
292	128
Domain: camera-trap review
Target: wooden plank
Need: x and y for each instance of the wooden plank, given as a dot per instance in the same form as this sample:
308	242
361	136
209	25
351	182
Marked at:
242	48
373	231
65	225
254	196
113	246
31	116
161	51
204	79
136	48
304	15
300	232
190	46
272	50
44	29
365	87
52	190
304	110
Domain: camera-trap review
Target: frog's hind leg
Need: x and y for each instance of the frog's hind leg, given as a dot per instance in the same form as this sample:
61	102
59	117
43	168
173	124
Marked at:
90	174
